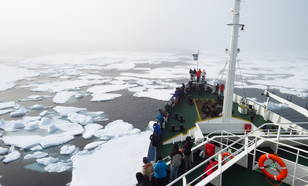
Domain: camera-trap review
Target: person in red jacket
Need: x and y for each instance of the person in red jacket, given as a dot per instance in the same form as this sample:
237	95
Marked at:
198	74
221	90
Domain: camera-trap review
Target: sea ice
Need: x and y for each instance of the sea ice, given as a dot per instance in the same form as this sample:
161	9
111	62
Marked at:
37	107
36	155
88	168
58	167
104	96
47	160
79	118
34	98
12	156
116	129
93	145
63	97
21	111
3	150
66	110
54	140
67	149
90	130
5	111
159	94
7	105
9	75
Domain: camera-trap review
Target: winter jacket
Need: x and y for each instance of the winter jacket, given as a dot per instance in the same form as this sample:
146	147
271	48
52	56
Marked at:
176	159
160	169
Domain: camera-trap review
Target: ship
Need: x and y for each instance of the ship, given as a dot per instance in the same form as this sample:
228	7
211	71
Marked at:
242	142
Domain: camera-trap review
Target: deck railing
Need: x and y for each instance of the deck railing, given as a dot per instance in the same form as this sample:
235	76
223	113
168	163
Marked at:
250	142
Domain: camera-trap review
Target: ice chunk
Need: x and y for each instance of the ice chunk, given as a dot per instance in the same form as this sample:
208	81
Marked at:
21	111
120	66
37	107
67	149
90	130
36	155
34	98
58	167
24	142
54	140
63	97
32	125
106	88
104	96
87	168
79	118
277	106
93	145
11	125
5	111
47	160
159	94
12	156
116	129
3	150
6	105
65	110
36	148
9	75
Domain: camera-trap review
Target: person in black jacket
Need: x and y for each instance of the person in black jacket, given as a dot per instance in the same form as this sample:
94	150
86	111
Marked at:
187	153
142	180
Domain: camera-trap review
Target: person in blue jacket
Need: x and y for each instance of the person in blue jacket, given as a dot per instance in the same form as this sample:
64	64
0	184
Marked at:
157	129
160	172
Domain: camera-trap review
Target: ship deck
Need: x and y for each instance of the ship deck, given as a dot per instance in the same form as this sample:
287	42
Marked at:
191	115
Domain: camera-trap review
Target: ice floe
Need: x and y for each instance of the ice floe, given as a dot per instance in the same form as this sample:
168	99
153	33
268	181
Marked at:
11	156
58	167
36	155
47	160
63	97
7	105
62	110
67	149
37	107
19	112
3	150
79	118
6	111
34	98
115	129
159	94
9	75
90	130
93	145
87	168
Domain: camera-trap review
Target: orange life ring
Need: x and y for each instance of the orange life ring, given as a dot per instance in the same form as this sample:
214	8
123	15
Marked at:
226	154
283	172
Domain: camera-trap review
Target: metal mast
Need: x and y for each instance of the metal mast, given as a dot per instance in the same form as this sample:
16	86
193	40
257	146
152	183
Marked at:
229	86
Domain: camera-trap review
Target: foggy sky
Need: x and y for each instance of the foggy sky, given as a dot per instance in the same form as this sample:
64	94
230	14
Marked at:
41	27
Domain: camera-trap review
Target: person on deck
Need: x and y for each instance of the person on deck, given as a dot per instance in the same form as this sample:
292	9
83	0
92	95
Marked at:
203	73
198	74
176	161
160	172
191	72
147	168
187	153
157	129
221	90
160	120
142	180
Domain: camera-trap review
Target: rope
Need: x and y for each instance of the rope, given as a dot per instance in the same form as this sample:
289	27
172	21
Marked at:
220	74
241	79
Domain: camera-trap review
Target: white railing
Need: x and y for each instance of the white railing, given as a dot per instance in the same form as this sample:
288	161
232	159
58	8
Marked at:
250	142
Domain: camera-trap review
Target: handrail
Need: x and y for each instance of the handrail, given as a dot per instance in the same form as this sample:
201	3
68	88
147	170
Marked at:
205	161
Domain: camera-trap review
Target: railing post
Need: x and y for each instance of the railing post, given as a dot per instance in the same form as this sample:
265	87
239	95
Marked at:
246	144
184	181
278	138
254	154
295	167
220	168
